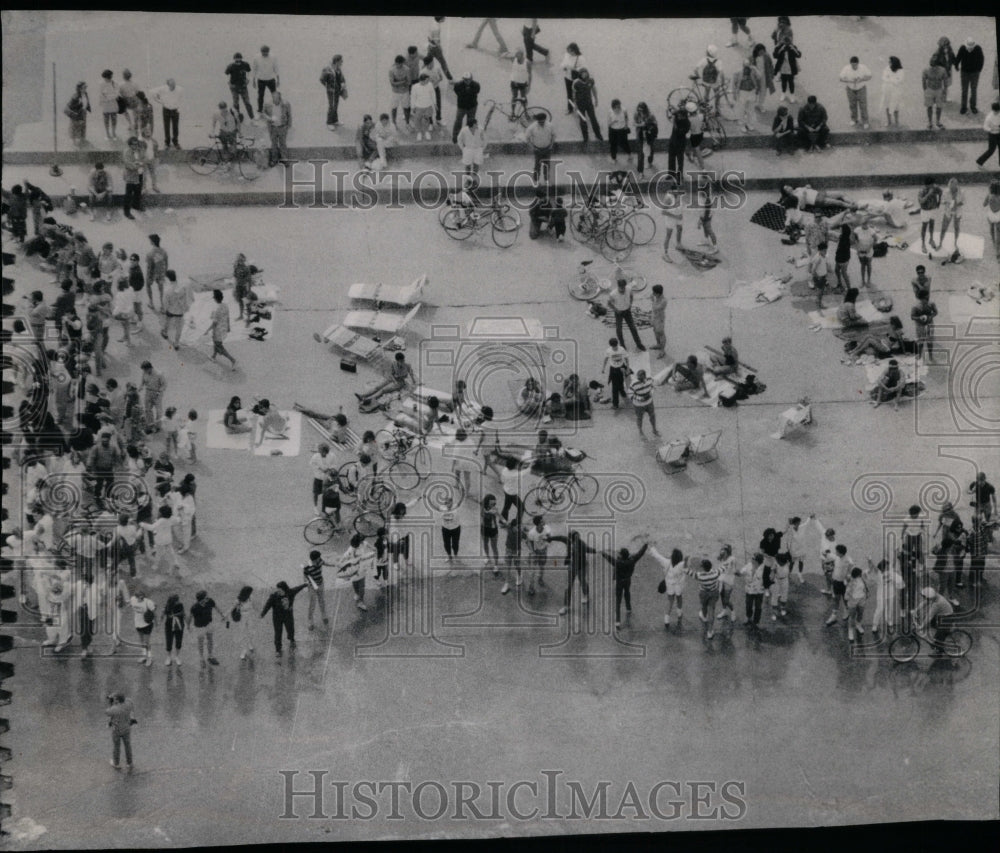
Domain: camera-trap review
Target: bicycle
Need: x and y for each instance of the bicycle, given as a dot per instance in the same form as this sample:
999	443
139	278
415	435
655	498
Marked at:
560	492
463	220
905	648
588	287
596	223
516	111
250	161
712	100
320	530
713	129
395	444
366	490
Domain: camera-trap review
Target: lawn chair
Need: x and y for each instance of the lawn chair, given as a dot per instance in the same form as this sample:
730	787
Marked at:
704	448
378	321
404	296
345	339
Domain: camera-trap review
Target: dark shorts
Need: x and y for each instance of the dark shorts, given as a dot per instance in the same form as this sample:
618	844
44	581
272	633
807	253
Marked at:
145	630
217	347
839	588
402	547
696	138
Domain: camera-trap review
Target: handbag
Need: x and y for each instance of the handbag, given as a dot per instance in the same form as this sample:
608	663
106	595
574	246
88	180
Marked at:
661	587
147	616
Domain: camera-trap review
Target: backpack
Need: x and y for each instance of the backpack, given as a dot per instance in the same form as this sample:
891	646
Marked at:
235	614
710	73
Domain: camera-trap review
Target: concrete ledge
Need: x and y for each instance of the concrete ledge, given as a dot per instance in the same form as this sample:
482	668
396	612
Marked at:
737	142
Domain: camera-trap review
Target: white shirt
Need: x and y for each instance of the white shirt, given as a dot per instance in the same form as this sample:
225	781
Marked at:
167	98
571	63
139	609
616	357
992	123
265	67
855	78
519	71
422	95
471	138
806	196
539	539
322	465
510	479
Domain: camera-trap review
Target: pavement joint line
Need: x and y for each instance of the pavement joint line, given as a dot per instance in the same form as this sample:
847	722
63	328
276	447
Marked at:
329	645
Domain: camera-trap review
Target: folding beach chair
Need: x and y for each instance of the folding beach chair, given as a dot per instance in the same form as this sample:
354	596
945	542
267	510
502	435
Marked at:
403	296
704	446
349	341
378	321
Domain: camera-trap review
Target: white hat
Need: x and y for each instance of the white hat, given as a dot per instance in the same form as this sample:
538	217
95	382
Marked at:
712	51
467	75
970	41
928	592
690	106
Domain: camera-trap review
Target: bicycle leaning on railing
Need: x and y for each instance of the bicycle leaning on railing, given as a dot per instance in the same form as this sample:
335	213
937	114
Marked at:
250	161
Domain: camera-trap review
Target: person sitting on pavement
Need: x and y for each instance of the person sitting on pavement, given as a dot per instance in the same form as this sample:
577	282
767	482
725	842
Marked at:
813	129
400	373
889	387
892	343
727	362
687	375
547	212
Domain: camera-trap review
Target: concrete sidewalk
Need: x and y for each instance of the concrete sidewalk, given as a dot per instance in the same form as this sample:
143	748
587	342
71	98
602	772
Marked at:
842	167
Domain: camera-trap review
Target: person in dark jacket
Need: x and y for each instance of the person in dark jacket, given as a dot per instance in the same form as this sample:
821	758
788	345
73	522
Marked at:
576	561
237	71
280	604
783	130
678	139
786	56
813	129
466	102
585	100
969	61
623	564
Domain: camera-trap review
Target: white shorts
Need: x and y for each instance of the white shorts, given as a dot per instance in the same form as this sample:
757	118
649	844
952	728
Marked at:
675	586
928	215
472	156
400	99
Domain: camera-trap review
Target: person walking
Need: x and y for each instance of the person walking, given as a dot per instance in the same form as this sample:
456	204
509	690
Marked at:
169	99
265	75
176	302
119	711
674	574
641	391
737	25
173	628
855	77
786	65
888	586
237	72
434	45
934	82
585	100
992	128
354	566
541	139
709	579
571	64
313	572
157	263
133	168
466	102
143	617
240	614
620	302
333	81
618	130
745	87
279	122
893	79
576	564
753	576
681	127
108	100
153	385
969	61
219	329
623	565
843	566
646	132
530	29
280	604
492	24
76	110
616	363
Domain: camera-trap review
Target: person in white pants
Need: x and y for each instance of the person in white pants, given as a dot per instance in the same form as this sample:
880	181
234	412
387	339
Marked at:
243	607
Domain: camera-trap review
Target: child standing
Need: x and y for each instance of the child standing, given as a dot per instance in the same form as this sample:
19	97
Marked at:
353	567
779	587
727	580
381	557
171	431
856	595
189	436
512	551
489	530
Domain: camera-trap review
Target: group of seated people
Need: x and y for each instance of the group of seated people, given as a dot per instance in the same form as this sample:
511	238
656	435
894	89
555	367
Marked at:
574	403
810	133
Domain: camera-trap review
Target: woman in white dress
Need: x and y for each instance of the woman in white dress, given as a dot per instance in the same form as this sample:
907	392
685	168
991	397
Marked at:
888	585
244	606
893	78
674	575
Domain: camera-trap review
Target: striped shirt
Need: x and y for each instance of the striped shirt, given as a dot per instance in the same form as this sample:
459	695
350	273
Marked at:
708	579
642	392
313	573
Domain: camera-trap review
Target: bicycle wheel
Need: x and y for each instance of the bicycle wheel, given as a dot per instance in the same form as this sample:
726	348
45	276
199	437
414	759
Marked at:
715	133
456	226
957	643
348	475
528	115
368	523
904	648
505	230
536	502
643	227
388	444
584	288
422	461
584	489
319	531
377	495
560	494
204	161
638	283
403	476
676	99
725	106
251	162
617	242
586	223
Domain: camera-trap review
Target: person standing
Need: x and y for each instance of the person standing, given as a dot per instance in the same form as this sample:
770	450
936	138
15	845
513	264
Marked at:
623	564
618	130
489	532
929	199
333	80
820	268
169	99
984	496
727	580
265	75
241	613
855	597
855	77
430	67
674	574
237	71
934	82
279	122
530	29
173	628
585	100
399	84
571	64
144	115
76	110
681	126
893	78
745	88
422	105
492	24
658	317
148	150
120	711
219	328
133	167
642	400
354	566
129	91
576	563
953	201
620	302
616	363
969	61
313	572
451	528
539	535
280	603
473	145
944	56
143	617
176	302
709	581
324	468
646	132
786	56
153	385
466	102
541	137
843	566
992	128
888	586
156	269
108	98
737	25
753	575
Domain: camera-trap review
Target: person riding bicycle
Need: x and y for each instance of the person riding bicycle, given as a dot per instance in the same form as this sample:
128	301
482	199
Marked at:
709	72
929	615
225	126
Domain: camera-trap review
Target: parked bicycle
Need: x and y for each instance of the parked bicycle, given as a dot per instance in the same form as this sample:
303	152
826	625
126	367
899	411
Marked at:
716	109
467	215
596	223
587	286
560	492
249	160
514	111
396	444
